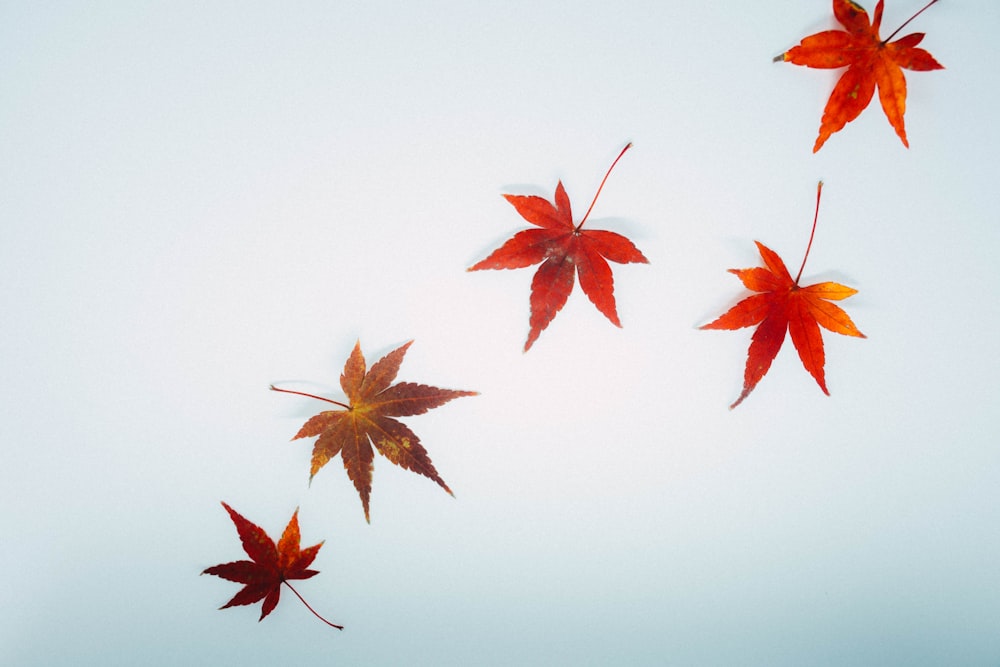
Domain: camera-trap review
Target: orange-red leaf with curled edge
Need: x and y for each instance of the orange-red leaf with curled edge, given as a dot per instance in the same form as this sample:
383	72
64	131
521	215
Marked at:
367	420
871	63
565	251
271	565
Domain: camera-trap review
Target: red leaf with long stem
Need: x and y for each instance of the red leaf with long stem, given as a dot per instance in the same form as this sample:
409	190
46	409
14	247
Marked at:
565	250
782	305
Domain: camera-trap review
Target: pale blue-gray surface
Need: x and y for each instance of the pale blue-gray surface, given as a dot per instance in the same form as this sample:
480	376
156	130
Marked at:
199	199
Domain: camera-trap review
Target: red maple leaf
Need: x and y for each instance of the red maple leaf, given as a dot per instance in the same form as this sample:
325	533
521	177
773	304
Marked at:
871	62
784	306
564	249
271	565
368	419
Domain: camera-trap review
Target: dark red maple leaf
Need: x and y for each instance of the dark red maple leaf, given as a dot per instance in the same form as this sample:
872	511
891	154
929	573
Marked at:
784	306
871	62
271	565
564	249
369	419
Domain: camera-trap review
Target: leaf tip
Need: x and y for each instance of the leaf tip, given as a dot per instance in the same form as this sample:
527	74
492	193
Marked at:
746	392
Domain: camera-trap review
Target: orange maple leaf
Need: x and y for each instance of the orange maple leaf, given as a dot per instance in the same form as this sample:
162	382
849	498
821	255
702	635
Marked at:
368	419
271	565
564	249
784	306
870	60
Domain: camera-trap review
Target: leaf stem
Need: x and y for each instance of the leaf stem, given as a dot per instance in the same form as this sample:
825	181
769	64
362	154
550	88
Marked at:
601	186
886	40
334	625
819	191
302	393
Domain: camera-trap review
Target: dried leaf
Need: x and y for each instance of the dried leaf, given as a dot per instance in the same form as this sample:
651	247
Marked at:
271	565
368	420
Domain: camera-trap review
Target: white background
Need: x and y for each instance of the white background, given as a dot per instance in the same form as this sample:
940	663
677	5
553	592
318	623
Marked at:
199	199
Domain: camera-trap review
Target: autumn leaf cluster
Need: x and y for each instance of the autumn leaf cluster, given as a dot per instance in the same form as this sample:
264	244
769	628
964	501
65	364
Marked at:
368	420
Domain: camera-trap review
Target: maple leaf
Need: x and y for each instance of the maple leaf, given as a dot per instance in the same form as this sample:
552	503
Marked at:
368	419
271	565
564	249
871	62
782	305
